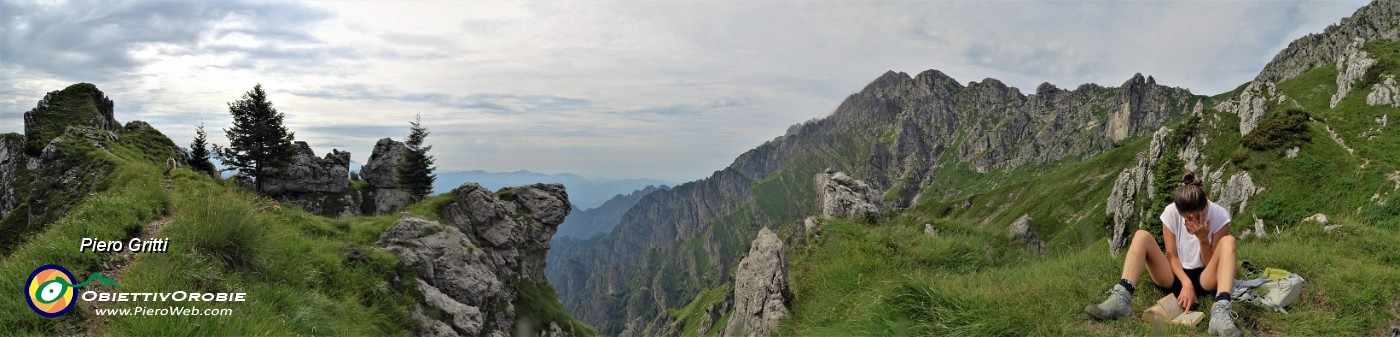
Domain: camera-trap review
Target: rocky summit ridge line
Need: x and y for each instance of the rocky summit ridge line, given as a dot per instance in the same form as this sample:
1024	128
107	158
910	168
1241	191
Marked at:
898	134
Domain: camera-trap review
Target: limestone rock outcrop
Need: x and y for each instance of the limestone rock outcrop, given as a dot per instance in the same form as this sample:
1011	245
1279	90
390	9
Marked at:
1234	196
319	185
1379	20
1252	104
1132	188
1021	233
844	197
470	265
761	295
1386	93
383	194
1352	64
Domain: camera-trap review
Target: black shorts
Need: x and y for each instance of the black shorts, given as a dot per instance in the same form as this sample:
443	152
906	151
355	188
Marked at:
1195	276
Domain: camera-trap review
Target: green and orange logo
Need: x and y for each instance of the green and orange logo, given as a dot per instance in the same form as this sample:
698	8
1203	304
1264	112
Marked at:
50	290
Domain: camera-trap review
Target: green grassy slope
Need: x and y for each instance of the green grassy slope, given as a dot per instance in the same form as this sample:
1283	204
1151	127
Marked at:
303	274
890	279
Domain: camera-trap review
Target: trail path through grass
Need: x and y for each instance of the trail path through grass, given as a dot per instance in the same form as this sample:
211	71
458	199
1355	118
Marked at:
114	268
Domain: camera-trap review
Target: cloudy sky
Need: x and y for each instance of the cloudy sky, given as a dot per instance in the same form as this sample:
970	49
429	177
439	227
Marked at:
669	90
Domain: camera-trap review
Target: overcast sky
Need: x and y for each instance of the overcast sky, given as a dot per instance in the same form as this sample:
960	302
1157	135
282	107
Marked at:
670	90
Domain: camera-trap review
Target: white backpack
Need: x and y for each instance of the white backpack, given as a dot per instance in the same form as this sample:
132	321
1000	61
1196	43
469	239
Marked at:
1271	288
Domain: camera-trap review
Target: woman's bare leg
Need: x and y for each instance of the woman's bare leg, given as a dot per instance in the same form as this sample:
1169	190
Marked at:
1143	251
1219	275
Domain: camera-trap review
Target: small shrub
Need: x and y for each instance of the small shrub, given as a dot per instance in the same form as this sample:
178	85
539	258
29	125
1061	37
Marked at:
1239	156
1289	128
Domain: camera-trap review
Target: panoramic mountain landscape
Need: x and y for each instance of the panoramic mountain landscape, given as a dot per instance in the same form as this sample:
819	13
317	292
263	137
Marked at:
920	204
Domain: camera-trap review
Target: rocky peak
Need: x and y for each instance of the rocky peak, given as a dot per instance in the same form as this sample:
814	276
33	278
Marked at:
1379	20
77	105
470	264
887	83
761	295
383	195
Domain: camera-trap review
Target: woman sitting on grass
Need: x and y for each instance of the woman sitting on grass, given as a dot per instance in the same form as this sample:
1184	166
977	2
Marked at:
1200	259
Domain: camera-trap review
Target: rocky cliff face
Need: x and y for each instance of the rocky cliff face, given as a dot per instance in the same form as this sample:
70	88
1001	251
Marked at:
383	194
318	185
472	264
899	134
1376	21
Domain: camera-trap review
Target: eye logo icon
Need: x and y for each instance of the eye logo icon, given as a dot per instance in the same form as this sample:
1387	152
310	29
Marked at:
50	290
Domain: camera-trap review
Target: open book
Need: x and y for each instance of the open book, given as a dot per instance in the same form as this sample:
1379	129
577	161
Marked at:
1166	310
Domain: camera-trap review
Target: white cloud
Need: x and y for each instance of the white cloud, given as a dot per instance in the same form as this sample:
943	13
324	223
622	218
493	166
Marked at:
670	90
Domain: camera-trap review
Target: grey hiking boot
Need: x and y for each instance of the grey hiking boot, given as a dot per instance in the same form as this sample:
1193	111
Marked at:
1118	305
1222	320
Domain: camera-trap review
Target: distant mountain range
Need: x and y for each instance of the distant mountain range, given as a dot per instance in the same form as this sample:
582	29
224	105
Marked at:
582	224
584	193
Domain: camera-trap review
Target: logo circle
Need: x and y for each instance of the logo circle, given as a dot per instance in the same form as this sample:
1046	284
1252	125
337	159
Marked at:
49	291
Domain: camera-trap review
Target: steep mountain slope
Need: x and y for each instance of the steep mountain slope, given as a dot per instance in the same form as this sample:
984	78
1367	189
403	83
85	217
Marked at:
1314	195
593	221
899	133
983	154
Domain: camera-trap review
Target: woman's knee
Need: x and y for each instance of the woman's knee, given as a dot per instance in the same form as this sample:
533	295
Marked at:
1226	242
1143	235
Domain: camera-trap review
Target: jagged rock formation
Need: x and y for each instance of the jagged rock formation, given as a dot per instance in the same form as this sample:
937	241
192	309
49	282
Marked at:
595	221
1386	93
1133	186
1375	21
55	163
472	263
77	105
811	226
761	295
318	185
905	130
1021	233
844	197
12	160
383	194
1234	196
1352	64
1252	103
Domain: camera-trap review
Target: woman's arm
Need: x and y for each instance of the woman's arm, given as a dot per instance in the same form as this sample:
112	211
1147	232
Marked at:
1208	249
1188	289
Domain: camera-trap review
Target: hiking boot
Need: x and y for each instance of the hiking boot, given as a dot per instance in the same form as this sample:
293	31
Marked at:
1222	320
1118	305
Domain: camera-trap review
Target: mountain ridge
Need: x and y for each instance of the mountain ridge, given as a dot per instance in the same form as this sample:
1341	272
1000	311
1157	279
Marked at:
917	123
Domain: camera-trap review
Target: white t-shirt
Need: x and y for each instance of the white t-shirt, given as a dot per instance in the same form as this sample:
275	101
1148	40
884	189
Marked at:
1188	248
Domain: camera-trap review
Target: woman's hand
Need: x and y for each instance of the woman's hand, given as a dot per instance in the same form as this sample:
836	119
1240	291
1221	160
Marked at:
1199	227
1187	297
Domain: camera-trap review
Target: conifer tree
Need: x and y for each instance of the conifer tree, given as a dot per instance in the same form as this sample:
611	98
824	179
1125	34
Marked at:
259	145
415	171
199	152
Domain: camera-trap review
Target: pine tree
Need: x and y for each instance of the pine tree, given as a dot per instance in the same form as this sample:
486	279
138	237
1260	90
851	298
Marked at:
415	171
259	144
199	152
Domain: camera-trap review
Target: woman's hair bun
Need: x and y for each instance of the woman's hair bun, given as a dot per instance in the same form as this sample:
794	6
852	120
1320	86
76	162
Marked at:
1190	179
